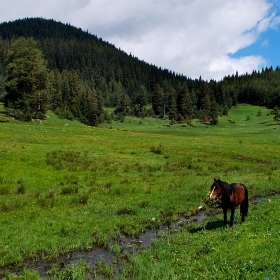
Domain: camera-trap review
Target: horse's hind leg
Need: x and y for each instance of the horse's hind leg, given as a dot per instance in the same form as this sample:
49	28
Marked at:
232	217
242	213
225	216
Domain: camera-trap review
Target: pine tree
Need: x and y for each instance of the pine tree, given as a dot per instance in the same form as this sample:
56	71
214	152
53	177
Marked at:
172	107
184	102
214	113
276	114
141	99
205	101
27	82
158	100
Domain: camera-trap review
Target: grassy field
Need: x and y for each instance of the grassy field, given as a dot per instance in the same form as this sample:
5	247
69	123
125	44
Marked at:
210	251
64	185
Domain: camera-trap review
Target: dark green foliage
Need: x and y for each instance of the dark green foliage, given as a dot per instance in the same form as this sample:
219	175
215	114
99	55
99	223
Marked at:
140	100
74	100
69	160
78	271
83	198
157	150
21	189
107	271
27	83
143	204
51	194
214	113
80	199
16	203
276	114
184	102
88	73
69	190
126	211
172	106
4	190
158	100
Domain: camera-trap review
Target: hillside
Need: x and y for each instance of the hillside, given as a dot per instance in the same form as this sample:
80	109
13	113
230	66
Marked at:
88	74
69	48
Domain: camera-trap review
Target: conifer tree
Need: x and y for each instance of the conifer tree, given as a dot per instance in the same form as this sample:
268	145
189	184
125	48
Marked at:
27	82
184	102
214	113
158	101
141	98
172	106
276	114
205	101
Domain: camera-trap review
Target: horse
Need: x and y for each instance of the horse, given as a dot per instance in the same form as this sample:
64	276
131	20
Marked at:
232	195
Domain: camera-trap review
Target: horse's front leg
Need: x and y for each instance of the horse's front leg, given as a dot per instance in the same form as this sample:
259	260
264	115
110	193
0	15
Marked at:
232	217
225	216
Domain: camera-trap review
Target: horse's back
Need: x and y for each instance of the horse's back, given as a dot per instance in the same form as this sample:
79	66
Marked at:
239	193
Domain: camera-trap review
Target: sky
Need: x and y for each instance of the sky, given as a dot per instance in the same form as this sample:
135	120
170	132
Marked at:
211	39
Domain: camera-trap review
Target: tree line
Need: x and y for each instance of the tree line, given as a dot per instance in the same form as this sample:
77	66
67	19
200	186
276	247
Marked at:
83	74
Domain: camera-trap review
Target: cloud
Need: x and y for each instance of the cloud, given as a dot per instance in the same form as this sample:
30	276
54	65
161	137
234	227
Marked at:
192	37
265	43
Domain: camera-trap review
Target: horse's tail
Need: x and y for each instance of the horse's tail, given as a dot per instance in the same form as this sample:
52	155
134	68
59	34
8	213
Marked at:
245	204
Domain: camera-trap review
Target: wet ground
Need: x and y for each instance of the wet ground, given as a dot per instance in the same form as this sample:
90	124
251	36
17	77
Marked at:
95	255
128	245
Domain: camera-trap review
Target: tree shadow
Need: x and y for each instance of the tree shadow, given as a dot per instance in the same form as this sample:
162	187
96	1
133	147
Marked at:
271	124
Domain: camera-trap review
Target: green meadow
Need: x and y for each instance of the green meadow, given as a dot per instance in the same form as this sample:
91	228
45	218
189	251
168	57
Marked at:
210	251
66	186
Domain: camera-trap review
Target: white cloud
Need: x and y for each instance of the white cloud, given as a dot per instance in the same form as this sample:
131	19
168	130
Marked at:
265	43
192	37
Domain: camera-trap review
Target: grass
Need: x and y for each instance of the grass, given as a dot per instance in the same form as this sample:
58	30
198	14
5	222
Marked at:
210	251
64	185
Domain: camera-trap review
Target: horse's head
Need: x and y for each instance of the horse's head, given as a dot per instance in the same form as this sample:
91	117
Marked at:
216	189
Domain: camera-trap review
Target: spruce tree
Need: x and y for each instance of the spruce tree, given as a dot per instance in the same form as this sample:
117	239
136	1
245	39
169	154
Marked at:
276	114
184	102
27	82
158	100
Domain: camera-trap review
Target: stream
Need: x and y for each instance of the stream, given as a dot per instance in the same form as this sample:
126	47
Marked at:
129	245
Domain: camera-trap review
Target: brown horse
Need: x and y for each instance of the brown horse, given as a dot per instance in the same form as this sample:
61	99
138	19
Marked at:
232	195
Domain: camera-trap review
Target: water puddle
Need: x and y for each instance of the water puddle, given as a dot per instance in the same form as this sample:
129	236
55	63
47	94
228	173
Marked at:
258	199
129	245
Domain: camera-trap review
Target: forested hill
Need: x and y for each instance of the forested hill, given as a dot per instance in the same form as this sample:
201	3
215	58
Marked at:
88	73
69	48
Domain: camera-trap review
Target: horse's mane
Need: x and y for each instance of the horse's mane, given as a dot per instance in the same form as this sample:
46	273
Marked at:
226	186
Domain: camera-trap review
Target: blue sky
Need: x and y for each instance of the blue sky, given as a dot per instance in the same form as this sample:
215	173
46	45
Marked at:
267	46
211	39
